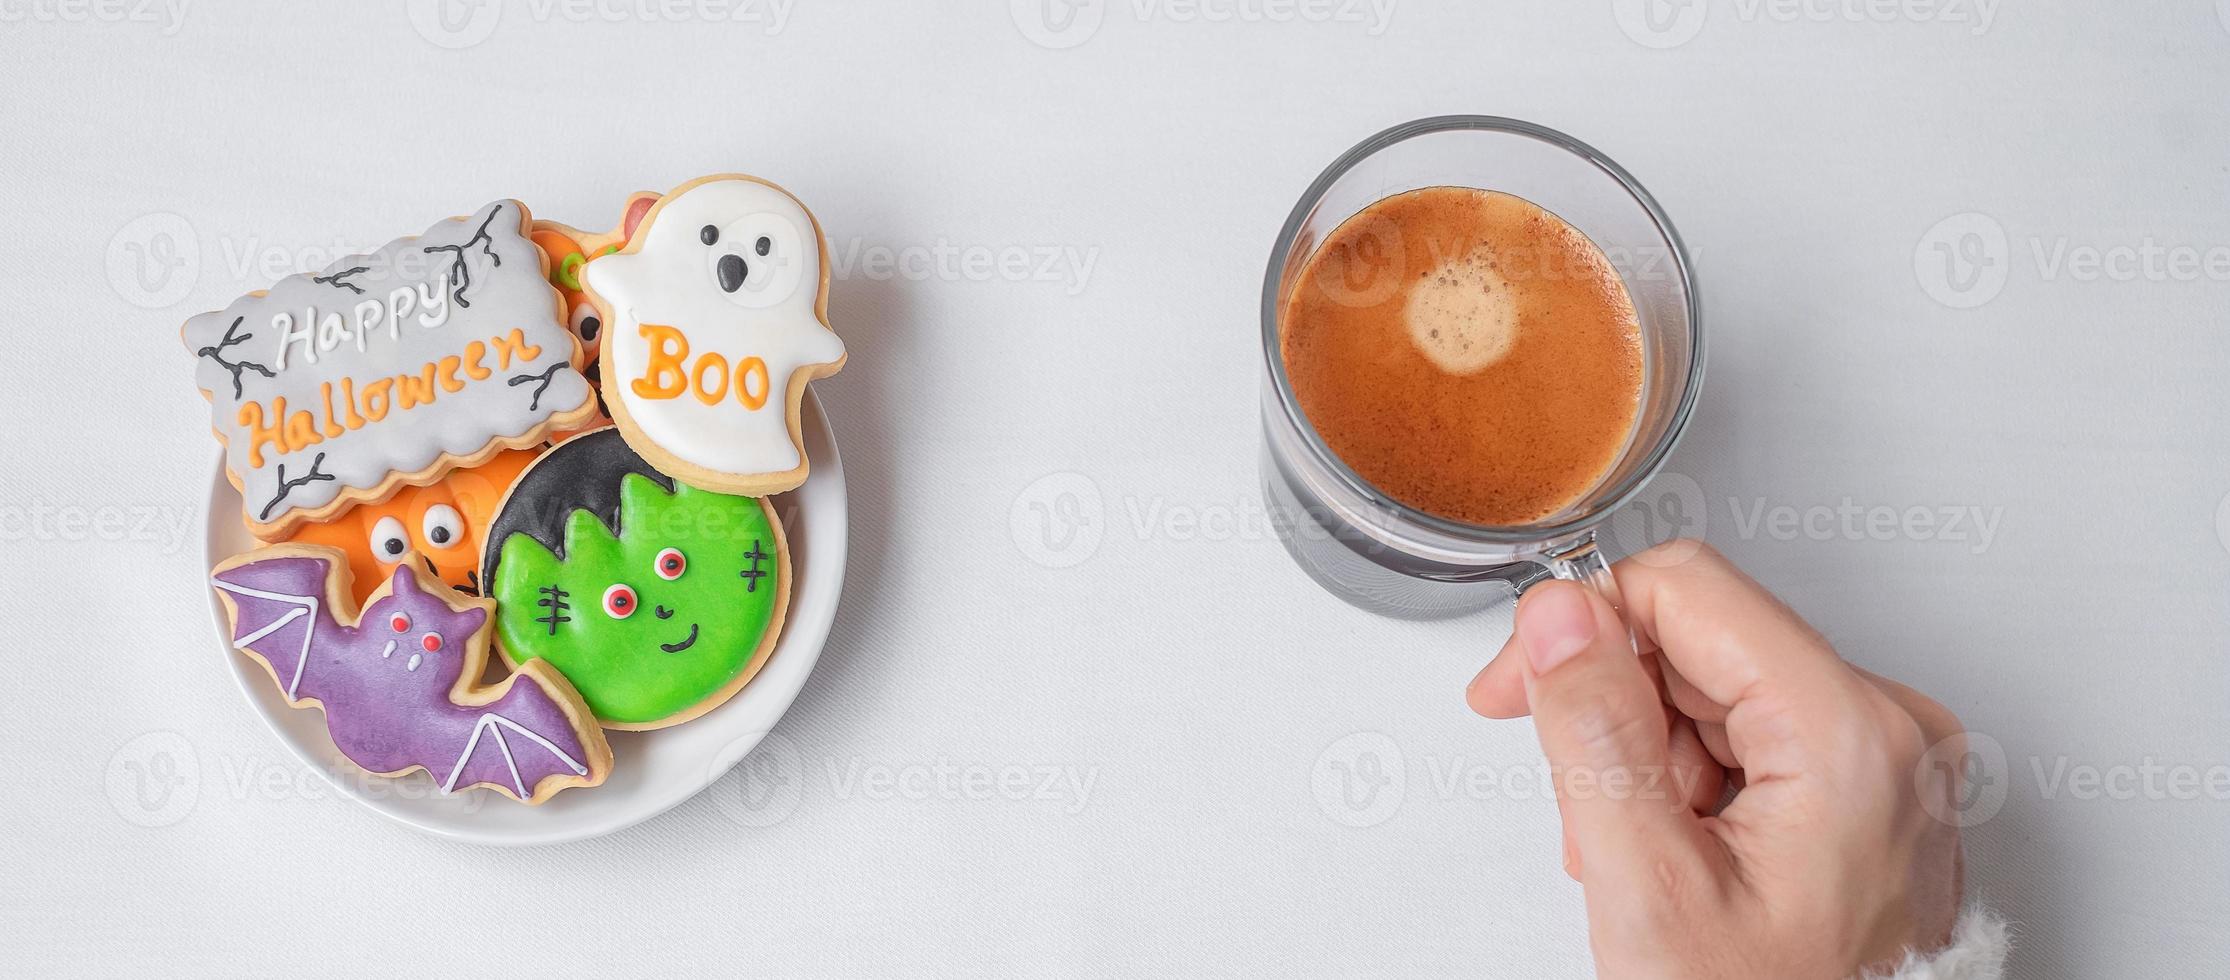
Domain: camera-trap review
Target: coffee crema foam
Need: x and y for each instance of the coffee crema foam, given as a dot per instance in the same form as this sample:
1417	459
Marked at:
1466	352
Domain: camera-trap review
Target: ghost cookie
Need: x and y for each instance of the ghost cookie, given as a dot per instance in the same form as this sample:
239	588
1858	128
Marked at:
715	318
658	600
400	684
389	369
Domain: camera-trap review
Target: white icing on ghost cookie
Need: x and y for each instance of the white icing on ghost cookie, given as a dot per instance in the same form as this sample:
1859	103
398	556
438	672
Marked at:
715	319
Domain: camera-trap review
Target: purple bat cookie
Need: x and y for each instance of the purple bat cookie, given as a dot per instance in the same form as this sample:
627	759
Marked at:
400	683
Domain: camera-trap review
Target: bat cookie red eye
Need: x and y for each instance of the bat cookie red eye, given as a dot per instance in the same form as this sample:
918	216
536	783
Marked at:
619	602
671	564
400	624
431	641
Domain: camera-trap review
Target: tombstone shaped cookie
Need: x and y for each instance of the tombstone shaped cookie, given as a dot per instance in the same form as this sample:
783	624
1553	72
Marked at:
715	318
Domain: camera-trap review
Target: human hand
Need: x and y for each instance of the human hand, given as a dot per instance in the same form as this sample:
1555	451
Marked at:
1824	862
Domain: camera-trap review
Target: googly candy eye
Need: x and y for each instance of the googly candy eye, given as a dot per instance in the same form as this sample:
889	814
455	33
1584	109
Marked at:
400	623
670	564
389	540
586	324
443	527
431	642
619	601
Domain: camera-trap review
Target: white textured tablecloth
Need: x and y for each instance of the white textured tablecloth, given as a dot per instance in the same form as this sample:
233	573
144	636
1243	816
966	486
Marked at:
1080	715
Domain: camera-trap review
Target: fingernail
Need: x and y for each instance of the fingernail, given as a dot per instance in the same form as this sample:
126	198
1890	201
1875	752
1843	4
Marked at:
1556	622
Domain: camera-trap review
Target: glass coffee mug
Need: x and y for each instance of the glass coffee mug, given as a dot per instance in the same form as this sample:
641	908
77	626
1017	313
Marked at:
1393	559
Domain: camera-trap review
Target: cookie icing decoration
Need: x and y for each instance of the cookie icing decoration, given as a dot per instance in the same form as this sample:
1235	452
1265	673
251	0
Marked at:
442	526
400	683
658	600
388	369
715	318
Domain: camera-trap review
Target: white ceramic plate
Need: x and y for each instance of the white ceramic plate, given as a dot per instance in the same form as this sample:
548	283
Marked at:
651	771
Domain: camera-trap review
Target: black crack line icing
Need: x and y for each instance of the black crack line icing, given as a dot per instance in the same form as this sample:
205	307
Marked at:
216	352
287	486
341	279
548	375
460	274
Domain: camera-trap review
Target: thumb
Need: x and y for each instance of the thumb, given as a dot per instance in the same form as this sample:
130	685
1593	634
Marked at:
1604	731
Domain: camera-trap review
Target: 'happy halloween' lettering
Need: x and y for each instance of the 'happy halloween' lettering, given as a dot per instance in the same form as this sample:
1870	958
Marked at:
354	404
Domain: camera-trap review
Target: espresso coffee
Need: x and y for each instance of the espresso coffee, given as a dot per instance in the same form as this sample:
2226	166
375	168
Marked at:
1466	352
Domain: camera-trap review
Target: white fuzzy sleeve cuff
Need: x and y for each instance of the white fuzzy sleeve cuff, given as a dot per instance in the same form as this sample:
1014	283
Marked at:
1977	952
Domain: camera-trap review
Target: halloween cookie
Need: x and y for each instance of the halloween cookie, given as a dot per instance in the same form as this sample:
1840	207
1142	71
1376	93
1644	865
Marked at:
400	683
715	317
657	599
389	369
442	526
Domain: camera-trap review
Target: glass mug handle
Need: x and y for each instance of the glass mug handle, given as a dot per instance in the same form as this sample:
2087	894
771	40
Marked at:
1582	561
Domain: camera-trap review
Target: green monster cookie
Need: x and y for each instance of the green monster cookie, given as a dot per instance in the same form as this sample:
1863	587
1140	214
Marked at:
657	600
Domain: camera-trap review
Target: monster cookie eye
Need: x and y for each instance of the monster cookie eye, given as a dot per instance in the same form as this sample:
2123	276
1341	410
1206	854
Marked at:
443	527
431	642
708	235
586	324
764	245
400	624
619	601
671	564
389	540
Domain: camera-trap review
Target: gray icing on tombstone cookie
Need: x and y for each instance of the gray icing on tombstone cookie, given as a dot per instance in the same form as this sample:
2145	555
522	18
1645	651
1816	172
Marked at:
395	363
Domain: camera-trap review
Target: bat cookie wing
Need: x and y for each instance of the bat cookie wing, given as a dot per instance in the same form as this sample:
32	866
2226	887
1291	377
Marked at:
505	753
278	604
